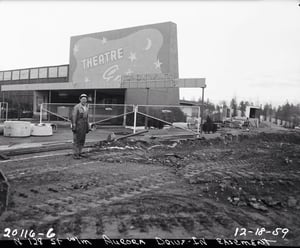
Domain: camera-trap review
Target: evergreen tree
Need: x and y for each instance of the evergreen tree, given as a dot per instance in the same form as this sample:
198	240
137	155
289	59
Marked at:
242	107
233	105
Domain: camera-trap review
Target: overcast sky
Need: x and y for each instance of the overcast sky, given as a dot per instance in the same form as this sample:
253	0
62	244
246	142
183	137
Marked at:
246	49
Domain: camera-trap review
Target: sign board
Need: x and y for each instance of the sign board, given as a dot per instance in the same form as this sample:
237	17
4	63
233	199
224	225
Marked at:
160	81
102	58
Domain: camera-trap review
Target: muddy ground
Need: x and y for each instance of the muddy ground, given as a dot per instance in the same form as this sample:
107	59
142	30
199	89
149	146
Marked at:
168	189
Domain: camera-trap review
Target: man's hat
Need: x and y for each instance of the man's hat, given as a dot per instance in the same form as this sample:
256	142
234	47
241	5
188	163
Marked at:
83	95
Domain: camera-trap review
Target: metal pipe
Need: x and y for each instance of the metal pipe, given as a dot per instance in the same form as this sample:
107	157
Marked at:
59	116
134	120
116	116
41	113
132	134
169	123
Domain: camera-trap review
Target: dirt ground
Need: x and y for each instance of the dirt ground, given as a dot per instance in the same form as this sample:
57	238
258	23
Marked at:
162	188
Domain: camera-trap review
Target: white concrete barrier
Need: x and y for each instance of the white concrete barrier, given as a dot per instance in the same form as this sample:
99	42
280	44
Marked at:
180	124
17	128
41	129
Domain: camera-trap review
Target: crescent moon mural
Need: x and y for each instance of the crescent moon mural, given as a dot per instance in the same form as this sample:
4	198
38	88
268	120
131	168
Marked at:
149	44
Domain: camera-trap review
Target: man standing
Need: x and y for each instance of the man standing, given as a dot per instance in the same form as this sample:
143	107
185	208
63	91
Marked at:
80	125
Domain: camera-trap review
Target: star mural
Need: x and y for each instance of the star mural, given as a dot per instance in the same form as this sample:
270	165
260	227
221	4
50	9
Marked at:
157	64
132	56
104	40
136	53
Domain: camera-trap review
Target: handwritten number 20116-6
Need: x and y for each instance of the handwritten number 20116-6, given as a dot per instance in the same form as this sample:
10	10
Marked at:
23	233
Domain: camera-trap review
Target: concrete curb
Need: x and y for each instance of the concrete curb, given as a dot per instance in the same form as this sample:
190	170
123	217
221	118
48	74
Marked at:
40	147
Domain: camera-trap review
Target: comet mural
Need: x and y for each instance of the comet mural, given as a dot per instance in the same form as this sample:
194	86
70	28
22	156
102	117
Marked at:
104	61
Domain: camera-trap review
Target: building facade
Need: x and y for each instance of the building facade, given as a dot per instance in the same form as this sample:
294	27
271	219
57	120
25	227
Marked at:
96	64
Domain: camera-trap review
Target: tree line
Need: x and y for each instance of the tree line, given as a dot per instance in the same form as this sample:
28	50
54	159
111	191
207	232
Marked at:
288	112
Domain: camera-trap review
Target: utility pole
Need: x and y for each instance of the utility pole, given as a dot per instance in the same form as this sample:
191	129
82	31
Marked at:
202	110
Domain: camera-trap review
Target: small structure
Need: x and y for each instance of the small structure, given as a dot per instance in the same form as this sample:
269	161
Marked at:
253	114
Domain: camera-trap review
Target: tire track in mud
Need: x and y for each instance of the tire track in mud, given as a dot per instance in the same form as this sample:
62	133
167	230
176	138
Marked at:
183	209
29	172
233	169
15	168
71	202
118	191
122	190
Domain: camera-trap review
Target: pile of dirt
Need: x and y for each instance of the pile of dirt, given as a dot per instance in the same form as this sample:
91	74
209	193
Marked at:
276	147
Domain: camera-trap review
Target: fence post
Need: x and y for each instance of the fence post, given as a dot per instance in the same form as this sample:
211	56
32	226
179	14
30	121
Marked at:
134	120
41	113
124	117
6	115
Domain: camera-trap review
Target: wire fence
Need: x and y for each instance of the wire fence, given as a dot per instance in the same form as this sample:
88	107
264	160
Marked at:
128	115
